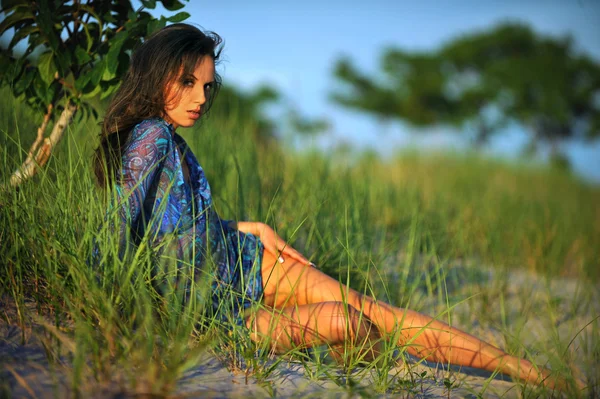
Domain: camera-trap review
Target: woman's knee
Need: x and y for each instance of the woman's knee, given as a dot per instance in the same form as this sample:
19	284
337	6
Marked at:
326	322
348	322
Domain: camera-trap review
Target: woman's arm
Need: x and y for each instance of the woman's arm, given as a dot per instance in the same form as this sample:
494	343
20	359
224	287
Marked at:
141	162
270	240
253	228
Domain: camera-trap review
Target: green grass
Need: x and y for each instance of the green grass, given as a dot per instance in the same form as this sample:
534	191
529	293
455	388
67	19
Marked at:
420	231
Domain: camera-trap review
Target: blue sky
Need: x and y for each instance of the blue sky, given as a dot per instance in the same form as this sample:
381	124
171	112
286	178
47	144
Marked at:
293	45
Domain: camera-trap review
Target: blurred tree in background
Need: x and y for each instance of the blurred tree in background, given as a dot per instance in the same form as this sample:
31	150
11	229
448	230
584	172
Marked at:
482	81
74	52
248	107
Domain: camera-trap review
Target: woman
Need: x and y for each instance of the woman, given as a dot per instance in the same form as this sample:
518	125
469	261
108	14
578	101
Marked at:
164	193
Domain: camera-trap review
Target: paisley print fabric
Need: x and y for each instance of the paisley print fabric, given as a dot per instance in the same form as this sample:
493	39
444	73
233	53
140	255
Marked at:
180	221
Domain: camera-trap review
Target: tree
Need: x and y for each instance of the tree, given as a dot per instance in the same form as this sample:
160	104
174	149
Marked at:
482	81
250	109
75	51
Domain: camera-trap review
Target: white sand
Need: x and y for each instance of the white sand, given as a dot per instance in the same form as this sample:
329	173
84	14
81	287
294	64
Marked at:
541	315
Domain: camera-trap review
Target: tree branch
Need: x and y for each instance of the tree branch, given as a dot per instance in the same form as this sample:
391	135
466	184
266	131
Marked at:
40	133
32	164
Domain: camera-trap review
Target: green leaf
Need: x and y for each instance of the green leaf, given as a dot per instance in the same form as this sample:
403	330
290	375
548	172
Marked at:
98	26
107	75
51	92
91	10
21	14
63	62
93	36
97	72
112	58
110	90
46	67
22	84
108	17
123	64
179	17
6	63
70	84
151	4
82	56
172	5
34	41
88	38
47	29
40	87
22	33
156	24
83	79
131	18
6	5
12	69
93	93
139	27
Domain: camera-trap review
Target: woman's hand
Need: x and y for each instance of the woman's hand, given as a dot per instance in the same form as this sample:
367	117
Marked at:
272	242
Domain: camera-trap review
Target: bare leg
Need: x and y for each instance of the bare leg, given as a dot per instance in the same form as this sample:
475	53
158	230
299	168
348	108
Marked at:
331	323
294	284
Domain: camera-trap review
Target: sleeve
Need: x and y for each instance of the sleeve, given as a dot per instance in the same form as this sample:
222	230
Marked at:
142	161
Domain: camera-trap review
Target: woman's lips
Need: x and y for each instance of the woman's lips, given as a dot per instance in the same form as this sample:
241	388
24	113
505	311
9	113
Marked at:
194	114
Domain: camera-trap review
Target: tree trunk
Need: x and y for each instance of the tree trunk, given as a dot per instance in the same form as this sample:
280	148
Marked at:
40	134
40	152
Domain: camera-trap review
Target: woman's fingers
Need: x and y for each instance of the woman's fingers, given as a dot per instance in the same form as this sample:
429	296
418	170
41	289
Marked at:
280	248
292	253
285	253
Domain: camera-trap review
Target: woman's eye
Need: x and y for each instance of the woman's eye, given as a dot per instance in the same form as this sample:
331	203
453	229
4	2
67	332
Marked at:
208	86
188	83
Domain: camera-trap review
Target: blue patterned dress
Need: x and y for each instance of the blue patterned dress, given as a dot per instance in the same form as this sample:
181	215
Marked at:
179	219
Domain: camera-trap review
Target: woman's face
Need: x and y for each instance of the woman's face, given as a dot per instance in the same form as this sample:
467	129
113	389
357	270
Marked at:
186	96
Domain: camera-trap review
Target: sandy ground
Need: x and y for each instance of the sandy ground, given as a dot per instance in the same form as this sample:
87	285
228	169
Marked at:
531	307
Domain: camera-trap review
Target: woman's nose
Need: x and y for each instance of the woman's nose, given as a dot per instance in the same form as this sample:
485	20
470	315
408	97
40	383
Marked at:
200	96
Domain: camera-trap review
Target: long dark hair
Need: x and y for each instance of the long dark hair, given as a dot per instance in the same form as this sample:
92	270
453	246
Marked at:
169	54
